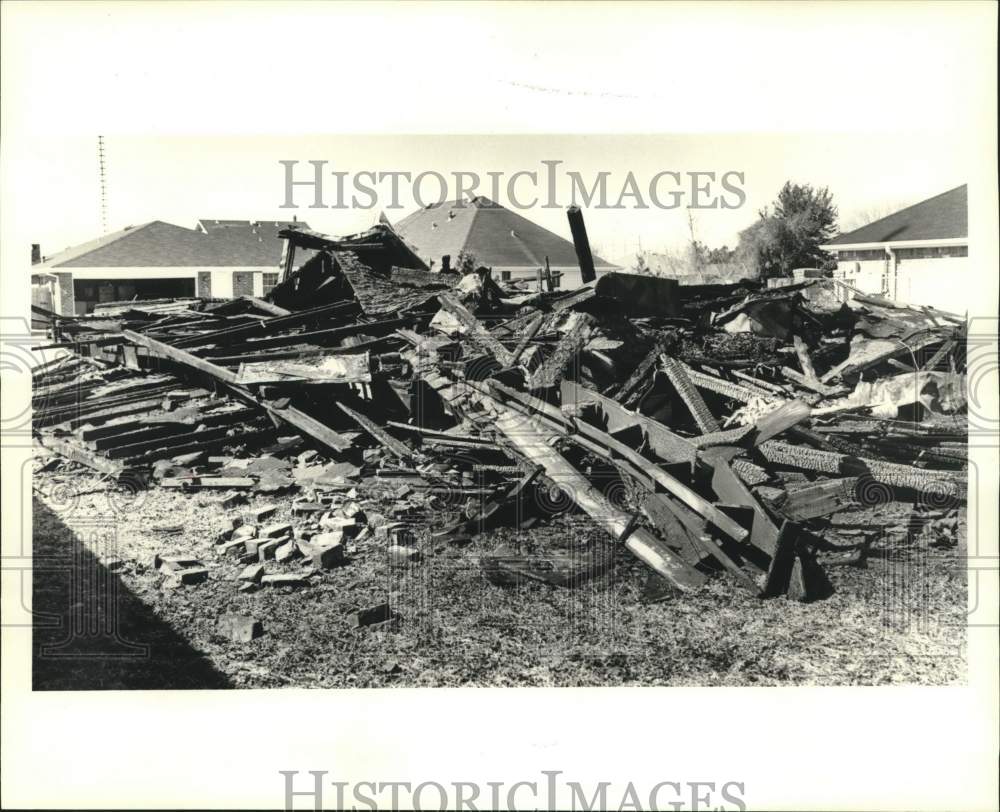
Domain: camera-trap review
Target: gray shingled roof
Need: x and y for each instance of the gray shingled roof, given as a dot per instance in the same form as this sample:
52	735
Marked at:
226	243
497	236
945	216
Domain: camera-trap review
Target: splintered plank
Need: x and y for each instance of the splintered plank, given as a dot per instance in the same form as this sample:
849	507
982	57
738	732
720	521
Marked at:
534	445
481	520
310	426
612	449
139	435
163	350
783	564
140	449
204	444
658	510
45	417
666	445
950	483
788	414
83	456
640	375
322	337
228	482
116	412
291	415
381	436
802	351
811	383
692	398
727	389
475	329
725	437
866	352
819	499
267	307
729	487
263	326
529	333
552	369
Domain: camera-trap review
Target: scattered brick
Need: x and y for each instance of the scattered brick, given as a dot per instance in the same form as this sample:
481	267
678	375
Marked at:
240	628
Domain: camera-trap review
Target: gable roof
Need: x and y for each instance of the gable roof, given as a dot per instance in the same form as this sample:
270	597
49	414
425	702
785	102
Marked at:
945	216
497	236
225	244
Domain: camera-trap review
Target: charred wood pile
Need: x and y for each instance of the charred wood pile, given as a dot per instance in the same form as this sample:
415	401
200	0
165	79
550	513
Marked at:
727	431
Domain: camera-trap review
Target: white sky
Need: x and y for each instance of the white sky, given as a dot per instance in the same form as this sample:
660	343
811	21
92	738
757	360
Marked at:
196	117
182	179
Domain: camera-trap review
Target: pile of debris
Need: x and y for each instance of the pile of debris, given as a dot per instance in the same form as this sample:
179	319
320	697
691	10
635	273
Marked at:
707	429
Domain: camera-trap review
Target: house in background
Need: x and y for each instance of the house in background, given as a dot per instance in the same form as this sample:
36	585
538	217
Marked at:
513	246
218	259
919	255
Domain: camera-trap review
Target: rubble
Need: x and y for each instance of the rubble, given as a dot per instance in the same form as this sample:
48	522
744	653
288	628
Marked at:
711	431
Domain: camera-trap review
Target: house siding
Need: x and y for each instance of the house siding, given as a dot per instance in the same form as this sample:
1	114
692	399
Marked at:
934	276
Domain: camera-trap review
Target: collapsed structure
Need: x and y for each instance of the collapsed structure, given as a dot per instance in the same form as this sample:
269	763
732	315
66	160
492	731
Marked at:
708	430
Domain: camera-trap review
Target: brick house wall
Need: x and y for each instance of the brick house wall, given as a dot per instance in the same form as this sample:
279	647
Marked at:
65	298
242	283
205	284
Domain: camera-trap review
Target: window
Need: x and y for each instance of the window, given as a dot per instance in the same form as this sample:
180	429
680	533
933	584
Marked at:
270	282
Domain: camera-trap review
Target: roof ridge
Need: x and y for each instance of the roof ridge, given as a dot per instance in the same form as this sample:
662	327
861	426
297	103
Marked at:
82	249
902	210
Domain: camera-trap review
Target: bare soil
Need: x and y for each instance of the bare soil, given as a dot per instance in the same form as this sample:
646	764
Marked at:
105	621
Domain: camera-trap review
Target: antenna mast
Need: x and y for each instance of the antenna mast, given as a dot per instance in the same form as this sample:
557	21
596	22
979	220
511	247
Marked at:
103	182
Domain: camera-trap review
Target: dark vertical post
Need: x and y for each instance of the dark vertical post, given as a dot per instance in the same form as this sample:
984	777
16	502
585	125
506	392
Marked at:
581	244
287	260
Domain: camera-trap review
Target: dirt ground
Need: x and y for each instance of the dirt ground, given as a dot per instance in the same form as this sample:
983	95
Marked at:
105	621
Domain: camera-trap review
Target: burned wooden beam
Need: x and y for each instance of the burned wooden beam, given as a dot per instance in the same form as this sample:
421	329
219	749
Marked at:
788	414
581	244
888	473
309	426
475	329
553	368
534	446
529	333
733	391
76	413
678	376
612	449
381	436
267	307
75	453
640	375
318	337
818	499
163	350
263	326
195	438
802	351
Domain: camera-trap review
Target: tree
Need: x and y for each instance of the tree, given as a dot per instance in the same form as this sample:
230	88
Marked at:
466	262
789	233
871	214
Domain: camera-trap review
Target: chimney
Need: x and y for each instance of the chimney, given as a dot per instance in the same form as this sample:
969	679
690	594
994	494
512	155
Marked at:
36	253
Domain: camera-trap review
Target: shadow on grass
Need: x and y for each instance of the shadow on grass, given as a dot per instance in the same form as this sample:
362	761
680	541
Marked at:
89	632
